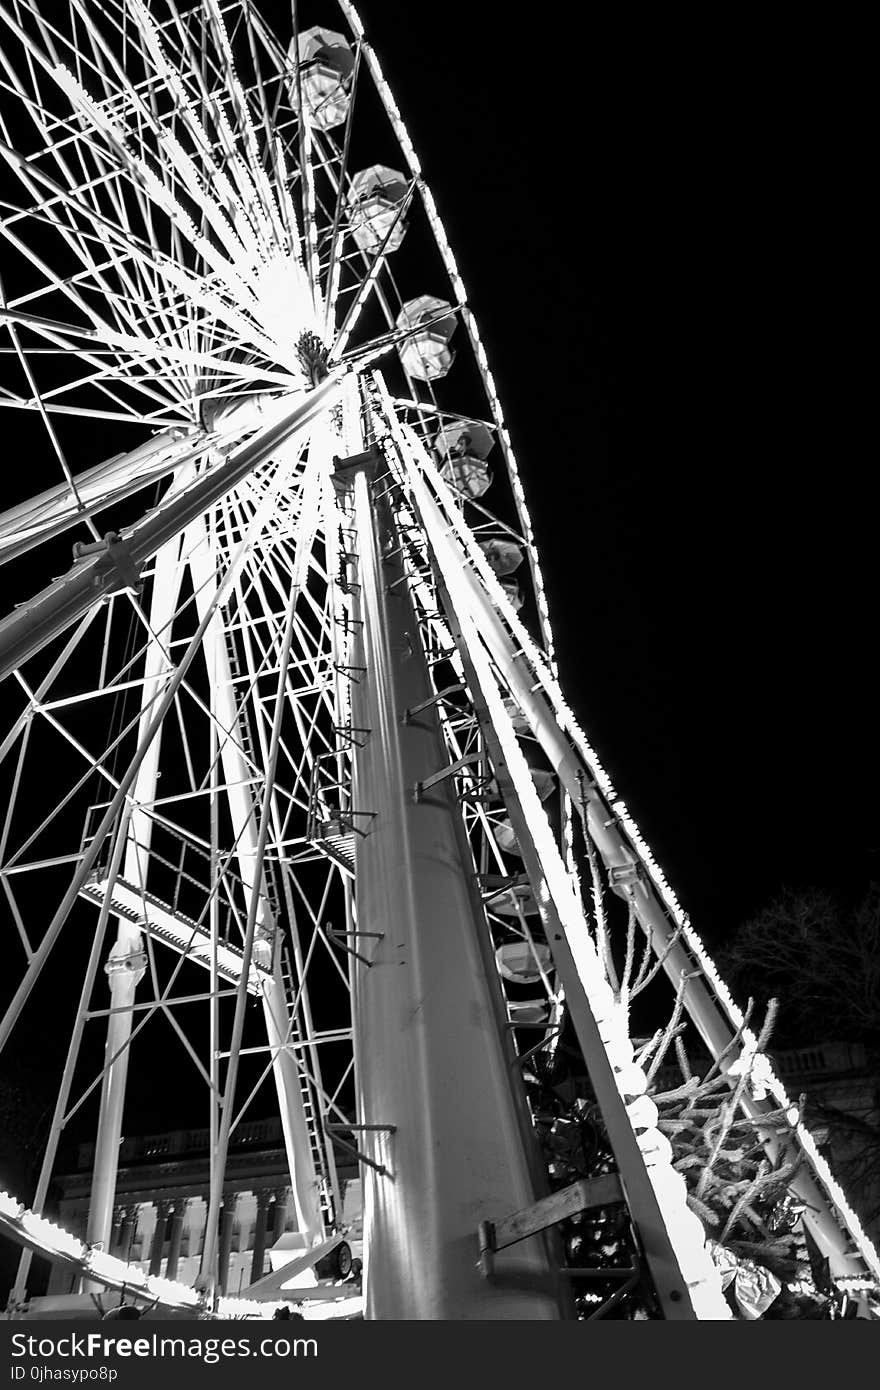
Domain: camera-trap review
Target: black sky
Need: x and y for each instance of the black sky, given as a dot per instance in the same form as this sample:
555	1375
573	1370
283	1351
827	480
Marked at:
657	220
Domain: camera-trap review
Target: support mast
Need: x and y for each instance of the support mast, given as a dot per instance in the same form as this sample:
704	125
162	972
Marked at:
446	1129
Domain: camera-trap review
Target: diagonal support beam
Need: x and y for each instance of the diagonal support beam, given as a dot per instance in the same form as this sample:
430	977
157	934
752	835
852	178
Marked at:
37	621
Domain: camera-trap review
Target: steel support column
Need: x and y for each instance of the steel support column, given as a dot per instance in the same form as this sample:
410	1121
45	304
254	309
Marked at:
279	1215
227	1230
177	1221
258	1258
127	962
157	1244
125	970
242	807
453	1140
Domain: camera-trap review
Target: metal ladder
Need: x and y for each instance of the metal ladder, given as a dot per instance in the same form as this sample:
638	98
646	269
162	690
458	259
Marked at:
273	918
314	1121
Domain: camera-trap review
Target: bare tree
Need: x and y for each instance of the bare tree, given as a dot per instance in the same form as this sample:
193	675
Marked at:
820	960
823	962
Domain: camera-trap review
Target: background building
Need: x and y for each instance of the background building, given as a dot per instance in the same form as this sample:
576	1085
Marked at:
159	1219
840	1081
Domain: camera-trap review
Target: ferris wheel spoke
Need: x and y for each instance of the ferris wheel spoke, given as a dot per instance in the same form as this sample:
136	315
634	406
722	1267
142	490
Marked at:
20	300
108	364
331	280
96	328
273	150
99	378
66	285
70	200
50	429
305	159
102	374
85	413
368	283
156	264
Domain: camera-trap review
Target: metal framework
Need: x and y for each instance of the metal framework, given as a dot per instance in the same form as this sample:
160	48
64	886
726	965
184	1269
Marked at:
283	748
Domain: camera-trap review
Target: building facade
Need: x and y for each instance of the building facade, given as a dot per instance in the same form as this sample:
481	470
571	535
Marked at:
842	1088
162	1196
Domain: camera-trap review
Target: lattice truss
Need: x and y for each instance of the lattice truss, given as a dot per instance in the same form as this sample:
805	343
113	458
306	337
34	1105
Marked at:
214	298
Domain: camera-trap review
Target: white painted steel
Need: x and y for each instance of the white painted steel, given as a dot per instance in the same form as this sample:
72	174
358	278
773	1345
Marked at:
204	560
446	1121
127	962
830	1217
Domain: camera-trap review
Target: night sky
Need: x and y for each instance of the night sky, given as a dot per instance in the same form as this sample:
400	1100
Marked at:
652	223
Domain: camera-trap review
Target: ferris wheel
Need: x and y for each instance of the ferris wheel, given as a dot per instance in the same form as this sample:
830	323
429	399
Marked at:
287	772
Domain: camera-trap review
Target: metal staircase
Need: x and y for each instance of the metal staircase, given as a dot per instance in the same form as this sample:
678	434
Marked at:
314	1118
330	827
172	927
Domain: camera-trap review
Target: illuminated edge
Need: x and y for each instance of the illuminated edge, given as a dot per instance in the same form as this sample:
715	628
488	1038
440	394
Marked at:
763	1072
